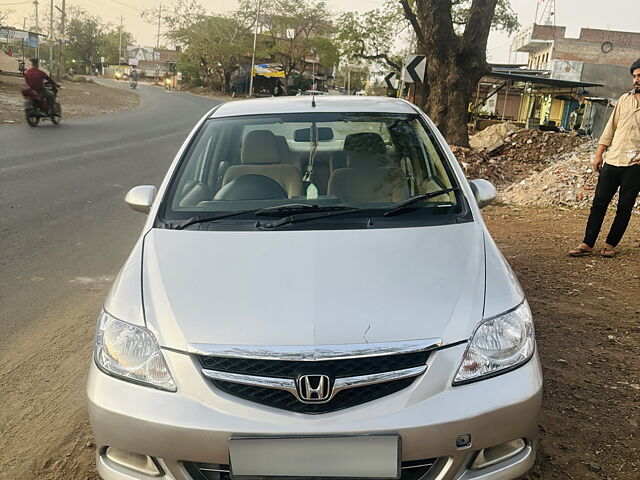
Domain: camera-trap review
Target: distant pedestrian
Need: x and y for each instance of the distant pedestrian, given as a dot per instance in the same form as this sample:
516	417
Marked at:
279	89
619	170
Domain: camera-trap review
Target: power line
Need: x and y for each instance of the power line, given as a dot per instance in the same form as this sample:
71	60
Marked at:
122	4
15	3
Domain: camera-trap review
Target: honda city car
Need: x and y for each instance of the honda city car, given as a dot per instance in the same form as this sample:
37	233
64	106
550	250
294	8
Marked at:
315	295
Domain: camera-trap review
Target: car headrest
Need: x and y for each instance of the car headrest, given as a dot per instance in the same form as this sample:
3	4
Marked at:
365	150
364	142
260	147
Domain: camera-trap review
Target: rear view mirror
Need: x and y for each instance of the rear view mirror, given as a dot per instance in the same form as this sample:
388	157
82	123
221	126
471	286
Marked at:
484	192
304	134
140	198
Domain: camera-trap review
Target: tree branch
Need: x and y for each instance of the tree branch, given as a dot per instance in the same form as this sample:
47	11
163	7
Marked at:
381	56
411	16
477	31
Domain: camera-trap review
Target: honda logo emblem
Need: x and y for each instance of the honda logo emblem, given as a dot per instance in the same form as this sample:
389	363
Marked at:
314	388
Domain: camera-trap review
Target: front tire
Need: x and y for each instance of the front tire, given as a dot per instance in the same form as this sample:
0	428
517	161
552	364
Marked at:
57	114
32	119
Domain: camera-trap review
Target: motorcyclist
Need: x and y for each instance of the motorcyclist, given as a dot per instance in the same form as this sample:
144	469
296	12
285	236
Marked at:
134	75
35	78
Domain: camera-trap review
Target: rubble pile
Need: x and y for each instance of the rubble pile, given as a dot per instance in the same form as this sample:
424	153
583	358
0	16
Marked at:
477	164
537	147
568	183
504	153
492	138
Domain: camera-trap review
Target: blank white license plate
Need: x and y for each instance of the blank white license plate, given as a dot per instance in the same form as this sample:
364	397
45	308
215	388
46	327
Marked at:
366	456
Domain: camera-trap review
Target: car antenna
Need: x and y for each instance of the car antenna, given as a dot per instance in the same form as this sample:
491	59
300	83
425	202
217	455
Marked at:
313	98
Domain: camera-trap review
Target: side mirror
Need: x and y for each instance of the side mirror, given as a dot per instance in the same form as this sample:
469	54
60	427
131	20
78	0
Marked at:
484	192
140	198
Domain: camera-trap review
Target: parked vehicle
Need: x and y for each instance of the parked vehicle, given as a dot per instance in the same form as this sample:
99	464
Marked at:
35	106
315	294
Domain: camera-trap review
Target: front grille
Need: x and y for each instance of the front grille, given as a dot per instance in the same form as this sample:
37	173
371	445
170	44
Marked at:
292	369
284	400
350	367
414	470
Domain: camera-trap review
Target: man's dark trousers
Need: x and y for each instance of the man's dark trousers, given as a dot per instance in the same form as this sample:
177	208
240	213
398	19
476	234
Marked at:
612	178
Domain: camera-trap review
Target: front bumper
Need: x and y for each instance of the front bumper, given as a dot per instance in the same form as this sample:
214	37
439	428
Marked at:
195	423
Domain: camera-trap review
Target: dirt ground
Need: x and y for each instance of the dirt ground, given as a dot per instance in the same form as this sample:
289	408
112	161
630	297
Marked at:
77	100
587	314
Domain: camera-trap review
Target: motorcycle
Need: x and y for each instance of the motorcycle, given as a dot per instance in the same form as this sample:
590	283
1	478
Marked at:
133	83
35	107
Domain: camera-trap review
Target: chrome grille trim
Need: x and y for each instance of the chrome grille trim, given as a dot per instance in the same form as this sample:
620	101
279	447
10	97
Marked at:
339	384
269	382
310	353
350	382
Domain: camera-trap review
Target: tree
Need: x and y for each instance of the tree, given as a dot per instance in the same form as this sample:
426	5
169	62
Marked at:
85	33
372	35
111	44
4	14
293	31
217	43
453	35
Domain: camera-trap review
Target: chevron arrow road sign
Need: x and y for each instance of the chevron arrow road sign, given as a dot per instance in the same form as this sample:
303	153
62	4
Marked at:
414	71
391	80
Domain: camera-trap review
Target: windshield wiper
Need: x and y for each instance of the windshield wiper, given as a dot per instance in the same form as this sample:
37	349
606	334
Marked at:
208	218
321	212
275	210
296	207
401	206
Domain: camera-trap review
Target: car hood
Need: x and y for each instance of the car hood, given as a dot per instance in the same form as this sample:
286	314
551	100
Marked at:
313	287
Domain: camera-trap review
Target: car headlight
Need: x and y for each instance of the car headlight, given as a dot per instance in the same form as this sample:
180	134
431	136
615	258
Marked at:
131	353
499	344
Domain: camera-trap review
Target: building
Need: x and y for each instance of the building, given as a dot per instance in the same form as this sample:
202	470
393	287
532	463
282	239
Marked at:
563	79
548	43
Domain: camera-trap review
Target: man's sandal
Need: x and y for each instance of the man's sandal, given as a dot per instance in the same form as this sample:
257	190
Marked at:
608	253
580	252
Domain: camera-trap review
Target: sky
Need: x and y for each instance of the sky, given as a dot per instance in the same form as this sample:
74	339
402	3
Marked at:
613	15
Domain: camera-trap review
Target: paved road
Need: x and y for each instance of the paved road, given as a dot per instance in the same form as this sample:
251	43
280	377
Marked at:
61	188
64	233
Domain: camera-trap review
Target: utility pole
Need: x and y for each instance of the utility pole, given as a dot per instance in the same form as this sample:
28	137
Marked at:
159	18
51	39
62	18
253	54
37	30
120	44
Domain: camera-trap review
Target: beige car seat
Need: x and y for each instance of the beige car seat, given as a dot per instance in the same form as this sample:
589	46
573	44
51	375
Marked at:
261	154
370	176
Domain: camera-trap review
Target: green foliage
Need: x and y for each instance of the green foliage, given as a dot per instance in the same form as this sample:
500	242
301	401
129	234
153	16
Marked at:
372	35
291	31
212	43
86	34
111	43
504	19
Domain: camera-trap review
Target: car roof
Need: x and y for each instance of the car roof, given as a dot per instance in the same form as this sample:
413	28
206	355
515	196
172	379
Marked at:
323	104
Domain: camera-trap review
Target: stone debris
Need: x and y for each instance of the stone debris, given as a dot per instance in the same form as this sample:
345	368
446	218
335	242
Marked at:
492	138
534	167
521	153
567	183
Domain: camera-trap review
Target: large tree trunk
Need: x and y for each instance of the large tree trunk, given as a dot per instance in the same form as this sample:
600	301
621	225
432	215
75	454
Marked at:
449	92
455	63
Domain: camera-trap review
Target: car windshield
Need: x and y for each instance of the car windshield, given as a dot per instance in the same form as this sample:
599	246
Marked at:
357	162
